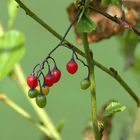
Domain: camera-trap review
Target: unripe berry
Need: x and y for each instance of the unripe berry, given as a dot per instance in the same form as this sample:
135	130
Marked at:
32	93
85	84
41	101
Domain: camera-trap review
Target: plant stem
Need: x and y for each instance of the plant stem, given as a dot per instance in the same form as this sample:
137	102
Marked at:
24	114
90	63
40	112
112	72
46	26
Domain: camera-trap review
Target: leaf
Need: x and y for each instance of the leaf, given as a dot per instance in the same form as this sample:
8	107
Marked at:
85	24
115	2
11	51
112	108
81	14
12	11
105	28
105	2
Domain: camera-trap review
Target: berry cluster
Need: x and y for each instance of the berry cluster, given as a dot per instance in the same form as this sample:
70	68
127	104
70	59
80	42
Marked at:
53	76
39	90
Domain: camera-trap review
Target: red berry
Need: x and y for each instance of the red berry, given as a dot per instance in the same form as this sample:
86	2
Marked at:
72	67
32	81
49	81
56	74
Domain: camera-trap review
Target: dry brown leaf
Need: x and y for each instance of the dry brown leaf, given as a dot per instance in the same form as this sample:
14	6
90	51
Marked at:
105	27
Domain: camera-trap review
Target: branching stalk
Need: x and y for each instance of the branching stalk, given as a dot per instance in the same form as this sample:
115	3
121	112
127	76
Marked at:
46	26
24	114
73	47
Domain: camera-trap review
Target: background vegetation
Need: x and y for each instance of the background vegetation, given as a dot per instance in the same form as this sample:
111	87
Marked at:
66	100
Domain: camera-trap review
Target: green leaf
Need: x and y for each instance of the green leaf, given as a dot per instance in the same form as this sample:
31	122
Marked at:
11	51
12	11
115	2
81	14
112	108
85	24
105	2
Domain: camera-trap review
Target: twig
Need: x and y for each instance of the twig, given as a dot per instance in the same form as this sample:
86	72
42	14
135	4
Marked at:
112	72
61	43
23	113
66	33
46	26
117	20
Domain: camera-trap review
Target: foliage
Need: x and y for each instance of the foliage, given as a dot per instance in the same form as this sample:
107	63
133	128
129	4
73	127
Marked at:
113	108
11	50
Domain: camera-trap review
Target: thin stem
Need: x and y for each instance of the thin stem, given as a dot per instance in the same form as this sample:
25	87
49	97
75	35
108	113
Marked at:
24	114
118	78
66	33
117	20
40	112
92	87
76	56
46	26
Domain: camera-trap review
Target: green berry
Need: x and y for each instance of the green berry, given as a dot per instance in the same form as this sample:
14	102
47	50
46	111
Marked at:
41	101
85	84
32	93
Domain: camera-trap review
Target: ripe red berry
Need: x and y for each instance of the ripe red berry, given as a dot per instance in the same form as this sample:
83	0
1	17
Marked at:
56	74
32	81
72	67
49	81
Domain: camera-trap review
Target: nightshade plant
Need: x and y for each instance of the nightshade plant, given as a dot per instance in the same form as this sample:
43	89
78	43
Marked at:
88	28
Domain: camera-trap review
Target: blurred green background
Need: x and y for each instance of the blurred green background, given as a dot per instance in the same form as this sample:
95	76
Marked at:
66	100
